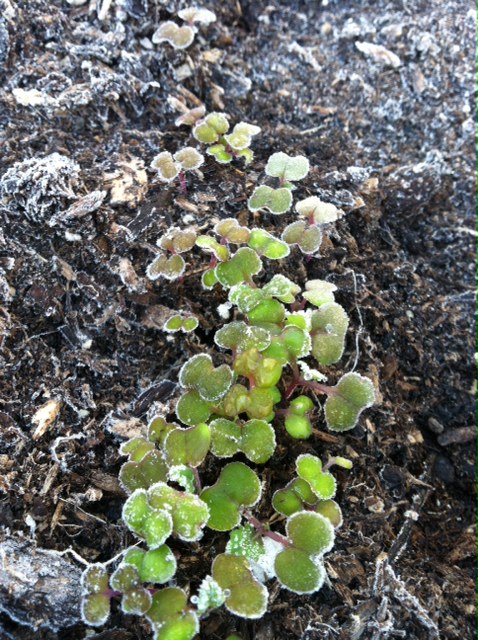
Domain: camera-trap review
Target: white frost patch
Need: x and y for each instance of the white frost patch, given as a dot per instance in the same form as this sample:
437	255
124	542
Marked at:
263	569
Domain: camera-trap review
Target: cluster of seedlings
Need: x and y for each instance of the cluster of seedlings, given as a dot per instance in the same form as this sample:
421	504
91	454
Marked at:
265	378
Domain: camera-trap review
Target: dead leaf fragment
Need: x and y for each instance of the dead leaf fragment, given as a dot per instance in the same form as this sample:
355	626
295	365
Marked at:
44	417
129	183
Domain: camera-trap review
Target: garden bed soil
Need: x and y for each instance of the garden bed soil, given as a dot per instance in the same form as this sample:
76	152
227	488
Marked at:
390	140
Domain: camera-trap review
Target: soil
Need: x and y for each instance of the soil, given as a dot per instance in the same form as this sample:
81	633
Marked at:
390	140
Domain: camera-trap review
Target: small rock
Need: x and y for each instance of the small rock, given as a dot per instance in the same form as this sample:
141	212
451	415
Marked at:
435	426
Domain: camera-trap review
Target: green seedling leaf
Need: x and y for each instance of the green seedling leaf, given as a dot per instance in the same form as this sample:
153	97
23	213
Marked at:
225	438
258	441
329	325
261	403
191	409
267	312
245	297
330	510
218	151
211	128
170	616
247	154
199	373
188	512
287	168
245	542
319	292
95	601
209	279
136	600
154	525
299	568
220	251
158	429
237	487
189	158
318	212
177	37
244	264
276	201
352	394
187	446
210	596
179	322
247	597
310	532
170	268
166	167
307	237
297	422
136	448
157	566
281	288
241	136
266	245
298	572
239	336
184	476
323	484
95	609
292	343
230	230
177	240
141	475
294	497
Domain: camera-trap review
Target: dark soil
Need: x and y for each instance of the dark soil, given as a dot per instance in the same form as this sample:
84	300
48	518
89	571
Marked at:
77	325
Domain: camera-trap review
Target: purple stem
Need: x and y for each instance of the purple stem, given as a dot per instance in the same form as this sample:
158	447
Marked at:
182	182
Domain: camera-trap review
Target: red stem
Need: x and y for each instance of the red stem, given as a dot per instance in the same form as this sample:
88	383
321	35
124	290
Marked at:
263	531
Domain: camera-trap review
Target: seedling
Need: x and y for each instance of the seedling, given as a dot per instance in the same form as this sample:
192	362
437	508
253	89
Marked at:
174	242
224	146
318	212
180	322
183	37
259	386
288	170
169	167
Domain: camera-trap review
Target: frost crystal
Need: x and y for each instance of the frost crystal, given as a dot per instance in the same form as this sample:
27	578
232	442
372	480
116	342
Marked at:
210	596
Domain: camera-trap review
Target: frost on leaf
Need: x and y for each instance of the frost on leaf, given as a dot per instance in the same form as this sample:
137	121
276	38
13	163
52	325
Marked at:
276	201
266	245
168	169
244	541
237	487
329	325
319	292
210	596
189	158
352	394
317	211
197	14
322	483
287	168
170	268
246	597
199	373
170	616
307	237
95	601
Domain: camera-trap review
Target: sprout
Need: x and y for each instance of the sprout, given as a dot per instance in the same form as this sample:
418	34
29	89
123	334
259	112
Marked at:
244	264
169	167
276	201
179	322
177	37
287	168
136	600
187	446
297	422
231	231
319	292
318	212
256	439
307	238
266	245
224	146
322	483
